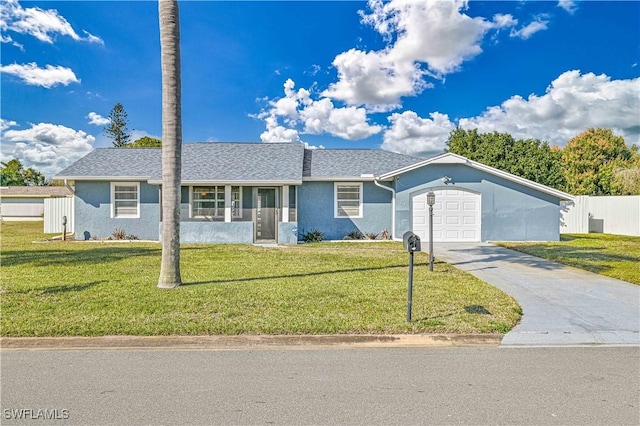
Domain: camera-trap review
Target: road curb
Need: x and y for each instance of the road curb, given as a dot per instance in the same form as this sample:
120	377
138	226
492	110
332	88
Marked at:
246	342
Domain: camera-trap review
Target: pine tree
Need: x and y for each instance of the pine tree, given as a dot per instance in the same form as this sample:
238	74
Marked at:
117	128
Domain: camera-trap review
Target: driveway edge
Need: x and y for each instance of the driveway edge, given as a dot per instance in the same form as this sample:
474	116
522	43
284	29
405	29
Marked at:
246	342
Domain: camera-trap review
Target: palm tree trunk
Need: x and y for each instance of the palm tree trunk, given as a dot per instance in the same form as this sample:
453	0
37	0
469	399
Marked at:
171	143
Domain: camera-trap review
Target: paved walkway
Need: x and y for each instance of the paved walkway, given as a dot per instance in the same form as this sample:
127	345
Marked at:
561	305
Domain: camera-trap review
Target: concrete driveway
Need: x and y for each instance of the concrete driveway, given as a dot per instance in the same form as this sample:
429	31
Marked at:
561	305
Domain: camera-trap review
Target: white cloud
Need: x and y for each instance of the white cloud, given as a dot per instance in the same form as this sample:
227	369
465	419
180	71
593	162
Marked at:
569	5
39	23
278	133
347	123
7	39
418	136
434	33
504	20
92	39
47	77
97	120
572	103
5	124
296	112
538	24
47	147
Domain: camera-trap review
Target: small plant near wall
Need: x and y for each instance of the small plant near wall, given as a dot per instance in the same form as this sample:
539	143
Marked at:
131	237
372	235
354	235
313	236
385	235
119	234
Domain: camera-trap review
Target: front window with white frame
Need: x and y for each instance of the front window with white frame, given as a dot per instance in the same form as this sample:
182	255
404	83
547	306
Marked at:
348	199
209	201
125	199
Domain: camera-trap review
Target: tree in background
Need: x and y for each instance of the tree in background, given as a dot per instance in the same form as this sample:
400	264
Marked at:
591	160
530	158
627	179
117	129
14	174
145	142
172	146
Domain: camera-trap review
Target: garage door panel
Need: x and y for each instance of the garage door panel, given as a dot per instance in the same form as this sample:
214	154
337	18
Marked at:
456	216
469	206
469	220
452	205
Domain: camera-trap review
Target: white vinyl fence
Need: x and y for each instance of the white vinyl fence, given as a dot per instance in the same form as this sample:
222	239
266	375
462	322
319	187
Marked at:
54	210
607	214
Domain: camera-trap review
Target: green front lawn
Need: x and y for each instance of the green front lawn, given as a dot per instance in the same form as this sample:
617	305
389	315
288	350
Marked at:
616	256
95	288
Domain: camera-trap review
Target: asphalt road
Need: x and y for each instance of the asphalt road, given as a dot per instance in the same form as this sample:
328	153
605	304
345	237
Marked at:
576	385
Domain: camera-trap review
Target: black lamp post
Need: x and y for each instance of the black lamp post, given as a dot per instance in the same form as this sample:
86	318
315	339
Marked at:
431	200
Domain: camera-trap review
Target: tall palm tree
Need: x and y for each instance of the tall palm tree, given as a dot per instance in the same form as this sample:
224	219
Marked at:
171	143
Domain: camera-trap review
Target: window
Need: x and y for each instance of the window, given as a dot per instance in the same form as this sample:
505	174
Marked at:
348	200
209	201
125	199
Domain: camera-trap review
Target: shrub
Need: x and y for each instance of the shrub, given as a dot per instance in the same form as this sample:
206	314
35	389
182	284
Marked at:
132	237
313	236
119	234
372	235
354	235
385	234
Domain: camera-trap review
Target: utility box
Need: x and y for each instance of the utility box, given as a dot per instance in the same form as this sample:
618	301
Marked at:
411	242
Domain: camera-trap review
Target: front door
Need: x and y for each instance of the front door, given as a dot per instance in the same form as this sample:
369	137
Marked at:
266	214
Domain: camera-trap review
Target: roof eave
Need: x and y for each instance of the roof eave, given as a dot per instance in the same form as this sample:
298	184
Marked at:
185	182
339	178
451	158
103	178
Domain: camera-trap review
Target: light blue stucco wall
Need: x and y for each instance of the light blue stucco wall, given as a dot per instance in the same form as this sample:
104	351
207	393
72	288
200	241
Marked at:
316	211
287	232
215	232
510	211
93	212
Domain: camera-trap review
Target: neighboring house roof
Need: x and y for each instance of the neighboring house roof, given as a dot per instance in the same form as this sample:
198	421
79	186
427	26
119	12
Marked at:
201	163
35	191
450	158
332	164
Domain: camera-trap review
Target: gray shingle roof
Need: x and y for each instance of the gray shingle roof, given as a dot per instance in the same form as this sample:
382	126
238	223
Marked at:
242	162
352	163
116	162
215	162
238	162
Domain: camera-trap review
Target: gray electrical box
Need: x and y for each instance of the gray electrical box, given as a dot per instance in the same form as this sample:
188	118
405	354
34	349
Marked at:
411	242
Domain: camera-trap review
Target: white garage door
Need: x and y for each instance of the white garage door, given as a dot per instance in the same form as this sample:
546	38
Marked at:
456	216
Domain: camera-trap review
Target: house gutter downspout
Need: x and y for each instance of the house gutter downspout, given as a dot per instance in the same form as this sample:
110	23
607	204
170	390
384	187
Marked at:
393	206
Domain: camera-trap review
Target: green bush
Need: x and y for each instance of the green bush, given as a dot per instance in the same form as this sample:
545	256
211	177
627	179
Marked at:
354	235
313	236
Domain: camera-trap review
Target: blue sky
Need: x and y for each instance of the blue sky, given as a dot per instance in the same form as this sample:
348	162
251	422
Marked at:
397	75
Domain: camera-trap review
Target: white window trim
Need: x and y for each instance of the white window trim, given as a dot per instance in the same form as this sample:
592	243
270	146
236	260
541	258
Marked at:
335	200
238	216
113	200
